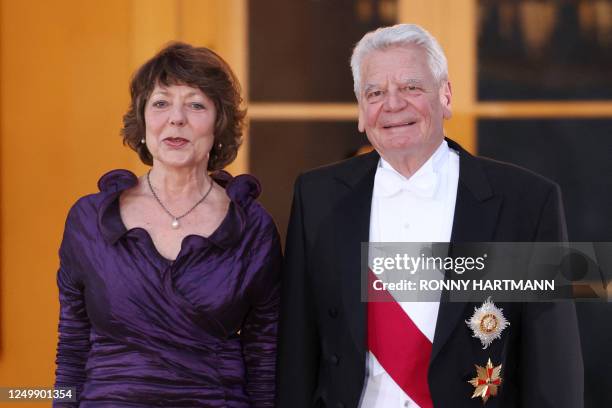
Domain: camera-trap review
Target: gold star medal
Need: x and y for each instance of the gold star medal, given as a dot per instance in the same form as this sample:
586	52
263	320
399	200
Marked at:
487	323
487	381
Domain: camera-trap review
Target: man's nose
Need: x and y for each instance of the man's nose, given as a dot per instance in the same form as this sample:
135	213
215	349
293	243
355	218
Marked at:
394	101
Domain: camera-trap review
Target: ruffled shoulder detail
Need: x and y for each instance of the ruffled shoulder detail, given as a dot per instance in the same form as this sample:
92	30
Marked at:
111	185
117	180
242	189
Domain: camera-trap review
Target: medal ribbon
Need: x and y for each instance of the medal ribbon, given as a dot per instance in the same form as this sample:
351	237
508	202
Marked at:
399	346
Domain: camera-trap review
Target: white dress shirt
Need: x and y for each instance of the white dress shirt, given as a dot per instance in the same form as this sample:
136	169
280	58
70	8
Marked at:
418	209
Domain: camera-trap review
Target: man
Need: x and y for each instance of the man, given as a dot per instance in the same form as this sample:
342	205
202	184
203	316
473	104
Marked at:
416	186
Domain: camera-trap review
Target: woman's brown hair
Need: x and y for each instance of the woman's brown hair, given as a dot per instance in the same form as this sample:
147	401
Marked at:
182	64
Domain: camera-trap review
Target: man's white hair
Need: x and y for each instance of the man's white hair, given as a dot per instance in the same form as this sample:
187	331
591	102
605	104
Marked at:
397	36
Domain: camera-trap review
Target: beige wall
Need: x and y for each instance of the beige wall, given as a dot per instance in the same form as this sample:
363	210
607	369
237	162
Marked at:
64	72
63	77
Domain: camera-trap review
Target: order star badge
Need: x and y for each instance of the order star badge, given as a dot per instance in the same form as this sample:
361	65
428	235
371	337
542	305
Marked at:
487	381
487	323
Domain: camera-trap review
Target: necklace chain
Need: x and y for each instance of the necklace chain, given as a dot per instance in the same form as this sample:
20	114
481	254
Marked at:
175	220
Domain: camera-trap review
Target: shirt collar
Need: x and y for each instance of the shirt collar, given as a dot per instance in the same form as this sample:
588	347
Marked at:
423	183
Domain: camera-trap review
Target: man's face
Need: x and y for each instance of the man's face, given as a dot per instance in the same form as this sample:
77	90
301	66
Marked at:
401	105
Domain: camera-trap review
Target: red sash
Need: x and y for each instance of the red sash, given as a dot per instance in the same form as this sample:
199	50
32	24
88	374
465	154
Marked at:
399	346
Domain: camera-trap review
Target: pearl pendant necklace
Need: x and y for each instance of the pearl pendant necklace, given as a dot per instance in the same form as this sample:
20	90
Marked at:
175	220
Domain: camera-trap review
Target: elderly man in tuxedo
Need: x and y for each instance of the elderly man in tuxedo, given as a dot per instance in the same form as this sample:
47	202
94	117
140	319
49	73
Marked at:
416	186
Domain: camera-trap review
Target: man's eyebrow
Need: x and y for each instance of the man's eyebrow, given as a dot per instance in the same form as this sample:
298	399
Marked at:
412	81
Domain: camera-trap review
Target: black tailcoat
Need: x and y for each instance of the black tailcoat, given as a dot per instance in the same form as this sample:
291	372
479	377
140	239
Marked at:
322	344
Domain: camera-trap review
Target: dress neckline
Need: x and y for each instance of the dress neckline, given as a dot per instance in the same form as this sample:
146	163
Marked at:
241	190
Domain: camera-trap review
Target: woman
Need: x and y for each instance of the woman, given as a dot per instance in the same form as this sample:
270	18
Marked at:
169	281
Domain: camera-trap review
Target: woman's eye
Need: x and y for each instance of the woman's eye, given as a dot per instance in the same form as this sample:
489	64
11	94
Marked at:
159	104
197	105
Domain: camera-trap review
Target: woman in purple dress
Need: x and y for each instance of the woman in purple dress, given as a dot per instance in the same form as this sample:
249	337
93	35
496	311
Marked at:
169	281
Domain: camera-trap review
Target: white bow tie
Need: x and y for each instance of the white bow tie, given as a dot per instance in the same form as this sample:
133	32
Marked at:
422	184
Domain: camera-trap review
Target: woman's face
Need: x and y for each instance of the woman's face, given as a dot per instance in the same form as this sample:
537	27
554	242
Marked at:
180	124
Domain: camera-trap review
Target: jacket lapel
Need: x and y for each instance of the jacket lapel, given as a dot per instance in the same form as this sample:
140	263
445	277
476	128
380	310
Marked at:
475	219
352	219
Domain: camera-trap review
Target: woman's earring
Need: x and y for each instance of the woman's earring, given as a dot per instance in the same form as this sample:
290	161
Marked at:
142	141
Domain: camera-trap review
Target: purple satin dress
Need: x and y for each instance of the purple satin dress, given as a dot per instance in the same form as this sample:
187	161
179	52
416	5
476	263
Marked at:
138	330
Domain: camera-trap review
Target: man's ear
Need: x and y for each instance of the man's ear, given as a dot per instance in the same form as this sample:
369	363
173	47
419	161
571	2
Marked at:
446	95
361	123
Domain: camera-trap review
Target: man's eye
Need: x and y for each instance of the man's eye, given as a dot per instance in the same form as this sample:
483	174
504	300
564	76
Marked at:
374	94
410	88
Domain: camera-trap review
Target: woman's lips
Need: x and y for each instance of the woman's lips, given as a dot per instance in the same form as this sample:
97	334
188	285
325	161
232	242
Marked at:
175	142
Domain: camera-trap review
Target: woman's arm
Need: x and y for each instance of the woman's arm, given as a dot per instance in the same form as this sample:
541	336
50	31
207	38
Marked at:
74	327
259	331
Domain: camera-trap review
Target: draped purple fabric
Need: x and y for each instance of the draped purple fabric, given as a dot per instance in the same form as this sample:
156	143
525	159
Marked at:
139	330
